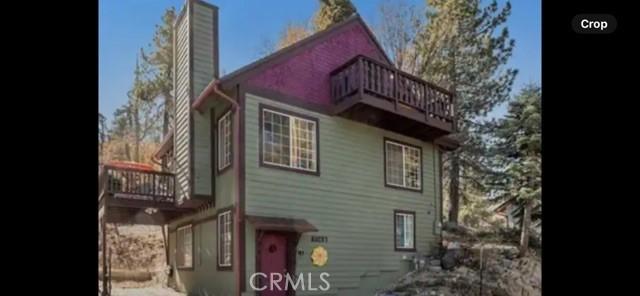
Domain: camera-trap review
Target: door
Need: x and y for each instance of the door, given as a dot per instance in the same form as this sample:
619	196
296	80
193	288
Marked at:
273	261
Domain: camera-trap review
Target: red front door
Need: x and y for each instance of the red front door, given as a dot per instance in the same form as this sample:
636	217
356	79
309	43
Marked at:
273	263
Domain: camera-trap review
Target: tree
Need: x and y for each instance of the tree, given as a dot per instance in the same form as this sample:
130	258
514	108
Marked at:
399	25
464	47
160	59
292	34
102	134
517	154
332	12
136	121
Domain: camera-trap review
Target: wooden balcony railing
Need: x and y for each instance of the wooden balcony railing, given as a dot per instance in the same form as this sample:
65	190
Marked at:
128	183
366	76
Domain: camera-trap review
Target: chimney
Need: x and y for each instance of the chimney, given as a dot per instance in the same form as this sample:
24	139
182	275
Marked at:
195	60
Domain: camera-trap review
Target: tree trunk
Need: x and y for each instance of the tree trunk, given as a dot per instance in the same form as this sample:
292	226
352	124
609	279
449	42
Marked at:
524	231
454	193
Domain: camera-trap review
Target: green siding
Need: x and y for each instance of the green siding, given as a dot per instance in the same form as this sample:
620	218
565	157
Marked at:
204	279
183	106
204	70
348	202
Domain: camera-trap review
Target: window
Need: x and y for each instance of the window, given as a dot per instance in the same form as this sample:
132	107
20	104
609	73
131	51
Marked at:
224	141
224	239
403	165
405	235
184	245
289	141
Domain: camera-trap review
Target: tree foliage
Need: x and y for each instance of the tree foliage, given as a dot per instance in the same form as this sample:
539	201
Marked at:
160	61
292	34
332	12
517	152
397	30
464	47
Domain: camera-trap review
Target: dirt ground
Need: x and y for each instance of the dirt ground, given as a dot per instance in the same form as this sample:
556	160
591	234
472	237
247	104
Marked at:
146	291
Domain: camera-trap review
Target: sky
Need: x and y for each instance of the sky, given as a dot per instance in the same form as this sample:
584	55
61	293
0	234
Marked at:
245	26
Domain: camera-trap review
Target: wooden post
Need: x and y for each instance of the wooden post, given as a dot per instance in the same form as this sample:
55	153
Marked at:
104	251
360	76
396	91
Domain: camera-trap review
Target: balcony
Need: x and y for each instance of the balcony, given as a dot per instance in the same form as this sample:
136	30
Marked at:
137	196
368	91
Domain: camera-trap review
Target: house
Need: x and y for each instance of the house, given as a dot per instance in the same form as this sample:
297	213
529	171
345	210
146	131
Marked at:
507	212
318	165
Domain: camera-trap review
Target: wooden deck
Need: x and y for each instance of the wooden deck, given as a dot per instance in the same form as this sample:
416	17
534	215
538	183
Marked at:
368	91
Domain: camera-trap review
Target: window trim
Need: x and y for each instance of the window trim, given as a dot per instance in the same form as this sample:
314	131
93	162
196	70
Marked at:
190	226
221	212
421	171
395	245
229	113
262	163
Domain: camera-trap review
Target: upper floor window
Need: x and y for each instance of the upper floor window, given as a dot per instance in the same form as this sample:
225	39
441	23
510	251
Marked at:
403	165
224	141
289	141
405	234
184	246
224	239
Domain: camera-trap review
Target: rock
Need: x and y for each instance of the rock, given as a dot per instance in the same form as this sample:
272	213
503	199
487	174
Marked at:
451	258
435	262
435	268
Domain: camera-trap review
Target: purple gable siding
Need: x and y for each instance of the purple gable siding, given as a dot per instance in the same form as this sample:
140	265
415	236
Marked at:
305	75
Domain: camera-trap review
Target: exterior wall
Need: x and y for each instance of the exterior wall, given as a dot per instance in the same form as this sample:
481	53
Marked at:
182	118
348	202
306	75
205	68
204	278
196	64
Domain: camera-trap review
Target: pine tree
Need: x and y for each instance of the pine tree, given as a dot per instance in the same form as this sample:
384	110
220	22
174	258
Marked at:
138	119
464	48
332	12
160	58
517	154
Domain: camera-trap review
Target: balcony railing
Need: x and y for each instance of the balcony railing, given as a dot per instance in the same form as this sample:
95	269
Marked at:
363	75
135	184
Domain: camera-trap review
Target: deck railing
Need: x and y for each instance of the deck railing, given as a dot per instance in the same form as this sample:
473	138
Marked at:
366	76
128	183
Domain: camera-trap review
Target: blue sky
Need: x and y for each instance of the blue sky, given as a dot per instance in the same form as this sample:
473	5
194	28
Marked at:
127	25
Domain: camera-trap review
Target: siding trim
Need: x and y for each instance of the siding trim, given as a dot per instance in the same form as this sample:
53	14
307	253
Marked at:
231	114
192	248
214	161
261	162
229	209
415	220
384	152
191	129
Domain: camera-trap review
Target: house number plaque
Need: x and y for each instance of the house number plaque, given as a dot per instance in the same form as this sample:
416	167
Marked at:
319	239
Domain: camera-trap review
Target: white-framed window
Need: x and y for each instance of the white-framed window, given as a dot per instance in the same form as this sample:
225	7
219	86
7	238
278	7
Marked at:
404	230
224	141
184	246
224	239
403	165
289	141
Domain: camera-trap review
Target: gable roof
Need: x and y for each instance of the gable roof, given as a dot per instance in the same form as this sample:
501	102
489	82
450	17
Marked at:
291	50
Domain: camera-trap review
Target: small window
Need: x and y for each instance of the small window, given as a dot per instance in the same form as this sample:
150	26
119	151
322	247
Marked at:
289	141
224	239
405	235
224	141
184	245
403	165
